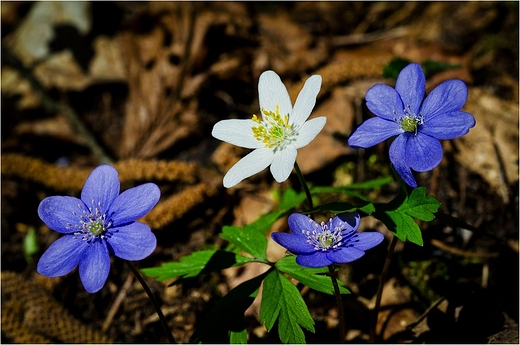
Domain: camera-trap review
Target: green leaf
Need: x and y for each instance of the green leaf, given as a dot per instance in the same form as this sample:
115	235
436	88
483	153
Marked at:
290	199
282	301
392	69
238	337
226	321
336	207
398	214
197	263
432	67
30	244
247	239
312	277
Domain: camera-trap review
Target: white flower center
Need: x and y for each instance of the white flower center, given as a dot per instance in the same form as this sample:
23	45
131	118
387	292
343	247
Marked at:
273	129
92	224
410	122
323	237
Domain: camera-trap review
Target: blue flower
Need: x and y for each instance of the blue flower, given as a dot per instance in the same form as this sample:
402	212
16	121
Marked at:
101	223
320	245
418	125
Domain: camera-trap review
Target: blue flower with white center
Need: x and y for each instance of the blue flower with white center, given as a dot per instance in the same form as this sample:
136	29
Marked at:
101	223
418	125
277	134
319	245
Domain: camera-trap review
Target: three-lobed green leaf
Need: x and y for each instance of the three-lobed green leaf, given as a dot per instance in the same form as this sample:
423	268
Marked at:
282	301
398	215
312	277
197	263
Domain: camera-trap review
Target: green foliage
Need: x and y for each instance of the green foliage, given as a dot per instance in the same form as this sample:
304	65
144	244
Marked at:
430	67
282	301
399	213
312	277
226	322
197	263
30	244
342	207
247	239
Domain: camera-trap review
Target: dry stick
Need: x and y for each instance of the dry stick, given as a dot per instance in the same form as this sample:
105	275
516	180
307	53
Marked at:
154	302
53	106
117	302
337	294
382	280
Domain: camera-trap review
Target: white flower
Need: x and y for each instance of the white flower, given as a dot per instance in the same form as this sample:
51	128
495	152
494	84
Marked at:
275	136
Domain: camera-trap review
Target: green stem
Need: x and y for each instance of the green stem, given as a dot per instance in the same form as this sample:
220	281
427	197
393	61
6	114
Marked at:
337	294
382	280
304	185
154	302
339	302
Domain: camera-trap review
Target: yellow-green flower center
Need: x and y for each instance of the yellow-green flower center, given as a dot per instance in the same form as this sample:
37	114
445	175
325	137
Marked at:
273	129
410	124
95	227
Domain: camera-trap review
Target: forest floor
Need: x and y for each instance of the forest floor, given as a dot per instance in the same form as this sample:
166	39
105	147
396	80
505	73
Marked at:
141	84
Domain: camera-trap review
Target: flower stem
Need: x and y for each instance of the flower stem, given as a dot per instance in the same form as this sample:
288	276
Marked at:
382	280
339	302
304	185
154	302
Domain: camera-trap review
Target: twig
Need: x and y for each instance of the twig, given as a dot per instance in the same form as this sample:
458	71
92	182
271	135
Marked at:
154	302
52	106
339	302
382	281
117	302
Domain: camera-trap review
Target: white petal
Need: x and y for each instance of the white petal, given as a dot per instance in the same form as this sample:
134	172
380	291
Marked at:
272	92
283	163
237	132
309	131
251	164
305	101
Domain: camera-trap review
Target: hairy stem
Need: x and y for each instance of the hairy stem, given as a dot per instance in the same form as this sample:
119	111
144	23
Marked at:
154	302
382	281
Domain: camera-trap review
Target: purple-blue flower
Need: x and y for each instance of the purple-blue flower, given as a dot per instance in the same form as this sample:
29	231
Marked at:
101	223
418	125
320	245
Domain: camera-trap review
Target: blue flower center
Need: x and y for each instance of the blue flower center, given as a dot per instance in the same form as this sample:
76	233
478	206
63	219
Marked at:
273	129
92	223
324	237
410	122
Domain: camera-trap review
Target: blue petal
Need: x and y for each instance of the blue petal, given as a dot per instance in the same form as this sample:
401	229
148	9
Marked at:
62	256
101	187
343	255
299	222
315	260
95	266
447	97
134	203
60	212
132	242
373	131
448	126
293	243
365	240
397	154
350	221
411	85
423	153
384	101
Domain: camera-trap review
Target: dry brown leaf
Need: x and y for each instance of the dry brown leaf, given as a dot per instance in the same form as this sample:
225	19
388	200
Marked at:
286	46
14	85
31	39
326	148
493	139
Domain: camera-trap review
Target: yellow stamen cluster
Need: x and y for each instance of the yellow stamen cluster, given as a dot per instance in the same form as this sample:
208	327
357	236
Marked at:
273	129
